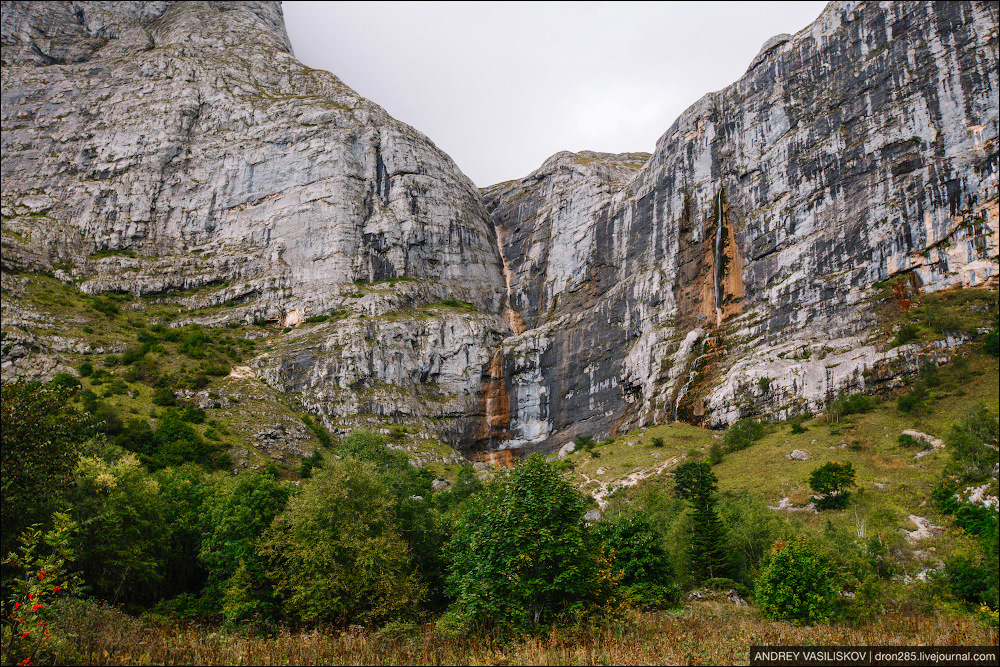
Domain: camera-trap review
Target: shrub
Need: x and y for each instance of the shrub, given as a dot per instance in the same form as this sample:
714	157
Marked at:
796	584
321	433
131	356
164	397
105	306
907	441
715	454
66	380
657	442
86	369
845	405
218	369
973	444
193	414
913	401
742	434
315	460
764	383
584	443
797	428
833	480
929	374
991	343
634	546
907	334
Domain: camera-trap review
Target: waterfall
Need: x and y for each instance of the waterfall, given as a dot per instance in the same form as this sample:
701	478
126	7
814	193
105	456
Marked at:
691	376
718	260
513	318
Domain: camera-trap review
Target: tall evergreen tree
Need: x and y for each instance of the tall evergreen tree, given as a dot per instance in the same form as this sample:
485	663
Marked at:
696	483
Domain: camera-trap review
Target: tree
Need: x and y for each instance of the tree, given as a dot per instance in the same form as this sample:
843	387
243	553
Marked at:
120	539
634	546
236	512
696	483
41	437
521	555
973	445
796	584
335	554
833	480
417	519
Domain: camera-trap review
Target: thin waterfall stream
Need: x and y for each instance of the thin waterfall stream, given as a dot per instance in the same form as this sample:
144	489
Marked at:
718	261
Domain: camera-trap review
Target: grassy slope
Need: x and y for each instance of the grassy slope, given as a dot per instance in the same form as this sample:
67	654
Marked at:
58	313
892	483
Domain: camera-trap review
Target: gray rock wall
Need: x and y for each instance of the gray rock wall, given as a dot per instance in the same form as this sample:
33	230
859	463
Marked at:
861	148
150	147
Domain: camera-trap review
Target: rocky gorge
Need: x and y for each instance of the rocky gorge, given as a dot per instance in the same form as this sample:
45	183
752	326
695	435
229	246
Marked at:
179	151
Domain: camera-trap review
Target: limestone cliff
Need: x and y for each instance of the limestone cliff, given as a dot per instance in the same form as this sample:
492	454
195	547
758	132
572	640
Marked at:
178	151
154	147
750	243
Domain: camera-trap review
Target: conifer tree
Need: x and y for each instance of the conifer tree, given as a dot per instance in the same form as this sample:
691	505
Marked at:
696	483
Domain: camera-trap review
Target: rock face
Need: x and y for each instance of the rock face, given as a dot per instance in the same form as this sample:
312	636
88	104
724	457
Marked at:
732	274
150	147
178	148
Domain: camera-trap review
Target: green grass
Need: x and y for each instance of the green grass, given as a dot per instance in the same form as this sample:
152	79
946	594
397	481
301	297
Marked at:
892	483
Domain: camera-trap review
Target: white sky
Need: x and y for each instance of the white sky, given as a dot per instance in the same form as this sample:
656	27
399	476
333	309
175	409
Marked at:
501	86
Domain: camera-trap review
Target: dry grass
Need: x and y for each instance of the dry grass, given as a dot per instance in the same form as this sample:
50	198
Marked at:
701	633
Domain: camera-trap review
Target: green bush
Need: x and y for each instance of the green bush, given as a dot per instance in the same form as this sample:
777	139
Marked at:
907	334
584	443
972	444
796	584
86	369
131	356
193	414
913	401
164	397
657	442
798	428
634	546
321	433
742	434
929	374
315	460
991	343
833	480
105	306
66	380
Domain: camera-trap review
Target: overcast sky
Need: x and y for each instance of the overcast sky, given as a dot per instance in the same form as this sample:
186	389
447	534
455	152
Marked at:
502	86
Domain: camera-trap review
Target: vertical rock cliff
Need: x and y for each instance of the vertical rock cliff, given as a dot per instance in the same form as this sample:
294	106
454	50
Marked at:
178	151
154	147
750	243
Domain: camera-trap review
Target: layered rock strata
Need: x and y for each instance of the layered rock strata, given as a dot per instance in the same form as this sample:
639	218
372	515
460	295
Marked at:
152	147
751	242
